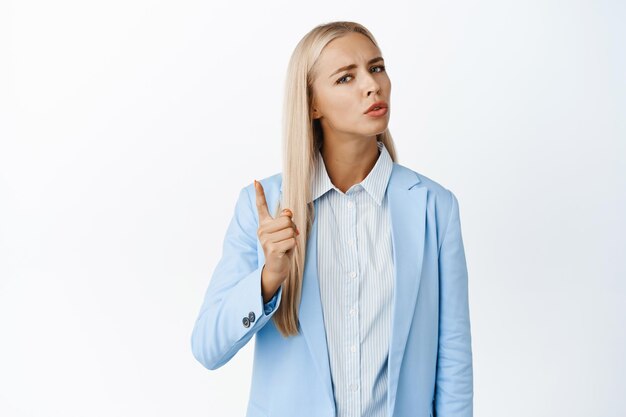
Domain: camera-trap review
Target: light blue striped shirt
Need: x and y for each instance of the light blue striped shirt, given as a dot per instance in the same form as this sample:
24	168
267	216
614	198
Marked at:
355	265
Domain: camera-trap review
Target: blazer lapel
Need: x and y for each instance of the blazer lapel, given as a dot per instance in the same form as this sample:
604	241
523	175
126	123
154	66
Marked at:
310	313
407	210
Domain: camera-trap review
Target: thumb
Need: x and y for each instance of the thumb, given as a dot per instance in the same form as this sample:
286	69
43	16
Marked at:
261	203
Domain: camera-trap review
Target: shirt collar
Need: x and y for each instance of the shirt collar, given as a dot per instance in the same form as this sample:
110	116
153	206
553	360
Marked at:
375	183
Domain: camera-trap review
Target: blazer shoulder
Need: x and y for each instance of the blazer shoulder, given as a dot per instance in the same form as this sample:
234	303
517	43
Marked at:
269	183
435	188
271	187
441	199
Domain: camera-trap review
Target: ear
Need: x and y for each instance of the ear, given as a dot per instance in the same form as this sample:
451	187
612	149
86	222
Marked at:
315	113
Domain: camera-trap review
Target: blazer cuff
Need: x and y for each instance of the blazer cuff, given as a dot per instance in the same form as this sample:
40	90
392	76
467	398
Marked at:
251	307
274	302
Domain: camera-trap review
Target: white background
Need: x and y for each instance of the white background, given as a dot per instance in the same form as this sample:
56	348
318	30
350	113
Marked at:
128	128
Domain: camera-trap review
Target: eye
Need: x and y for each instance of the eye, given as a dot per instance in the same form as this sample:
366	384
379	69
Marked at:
340	80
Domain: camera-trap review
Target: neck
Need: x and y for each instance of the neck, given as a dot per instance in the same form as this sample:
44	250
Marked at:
349	162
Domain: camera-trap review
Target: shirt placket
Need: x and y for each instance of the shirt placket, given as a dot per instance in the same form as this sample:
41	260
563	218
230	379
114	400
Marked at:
353	351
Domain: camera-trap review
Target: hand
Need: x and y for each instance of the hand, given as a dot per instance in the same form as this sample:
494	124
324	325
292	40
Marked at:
278	239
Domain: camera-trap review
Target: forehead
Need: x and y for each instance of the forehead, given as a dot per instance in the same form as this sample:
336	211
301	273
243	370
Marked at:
353	48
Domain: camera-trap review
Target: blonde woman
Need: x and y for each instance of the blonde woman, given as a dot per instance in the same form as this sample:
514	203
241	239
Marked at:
348	267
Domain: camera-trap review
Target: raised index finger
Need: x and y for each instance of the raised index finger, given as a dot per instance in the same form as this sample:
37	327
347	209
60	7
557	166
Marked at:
261	203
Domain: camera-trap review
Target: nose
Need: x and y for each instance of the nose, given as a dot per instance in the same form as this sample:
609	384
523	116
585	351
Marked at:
372	86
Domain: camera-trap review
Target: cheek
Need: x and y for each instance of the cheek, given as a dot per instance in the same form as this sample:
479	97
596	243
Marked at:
343	116
341	107
385	84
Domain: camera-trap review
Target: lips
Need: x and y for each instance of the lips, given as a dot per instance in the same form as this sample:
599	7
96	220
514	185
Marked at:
377	105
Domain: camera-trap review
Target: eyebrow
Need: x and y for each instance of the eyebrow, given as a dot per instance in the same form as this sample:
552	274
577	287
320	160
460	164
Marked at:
348	67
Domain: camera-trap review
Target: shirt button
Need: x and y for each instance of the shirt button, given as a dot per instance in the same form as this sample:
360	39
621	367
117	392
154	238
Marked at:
352	274
354	387
353	348
352	311
351	242
350	204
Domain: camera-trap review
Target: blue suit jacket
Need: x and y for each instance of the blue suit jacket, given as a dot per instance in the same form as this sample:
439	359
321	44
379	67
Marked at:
430	356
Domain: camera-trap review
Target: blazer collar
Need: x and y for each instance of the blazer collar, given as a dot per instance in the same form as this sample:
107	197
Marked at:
407	206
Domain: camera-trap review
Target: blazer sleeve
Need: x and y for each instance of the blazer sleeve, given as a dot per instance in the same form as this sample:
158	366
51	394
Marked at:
454	382
233	293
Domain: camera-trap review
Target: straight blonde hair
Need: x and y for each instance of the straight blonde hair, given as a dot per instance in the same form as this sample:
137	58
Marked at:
301	138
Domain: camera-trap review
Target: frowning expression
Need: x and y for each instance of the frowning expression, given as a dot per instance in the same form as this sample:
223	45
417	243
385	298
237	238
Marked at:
350	76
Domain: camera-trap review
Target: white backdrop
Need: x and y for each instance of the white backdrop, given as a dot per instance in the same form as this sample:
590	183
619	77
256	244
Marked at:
117	118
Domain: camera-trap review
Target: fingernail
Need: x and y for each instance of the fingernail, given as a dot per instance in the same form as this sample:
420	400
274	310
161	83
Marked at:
297	231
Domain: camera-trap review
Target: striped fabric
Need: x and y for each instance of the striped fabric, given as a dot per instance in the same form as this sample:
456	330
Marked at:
355	267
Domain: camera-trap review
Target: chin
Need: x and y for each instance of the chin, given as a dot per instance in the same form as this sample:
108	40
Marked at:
380	129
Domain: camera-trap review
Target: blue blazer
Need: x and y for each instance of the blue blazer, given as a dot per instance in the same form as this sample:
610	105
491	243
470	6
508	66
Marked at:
430	355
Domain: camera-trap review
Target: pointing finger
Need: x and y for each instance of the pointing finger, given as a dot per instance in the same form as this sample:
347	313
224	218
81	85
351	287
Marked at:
261	203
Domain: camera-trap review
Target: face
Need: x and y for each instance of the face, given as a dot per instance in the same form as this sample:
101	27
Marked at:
342	96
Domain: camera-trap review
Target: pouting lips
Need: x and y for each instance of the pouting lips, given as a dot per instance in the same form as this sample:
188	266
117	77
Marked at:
378	106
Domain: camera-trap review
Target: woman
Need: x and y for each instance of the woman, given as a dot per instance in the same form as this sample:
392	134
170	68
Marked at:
355	284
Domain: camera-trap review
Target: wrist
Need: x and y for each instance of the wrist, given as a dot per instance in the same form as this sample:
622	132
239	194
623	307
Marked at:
269	285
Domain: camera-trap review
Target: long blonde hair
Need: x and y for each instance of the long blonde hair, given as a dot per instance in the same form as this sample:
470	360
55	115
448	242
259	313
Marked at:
302	137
